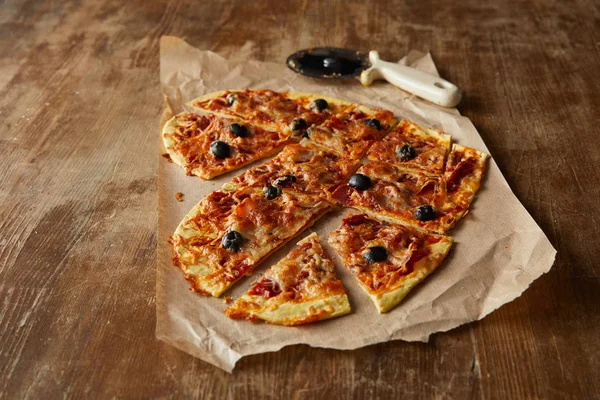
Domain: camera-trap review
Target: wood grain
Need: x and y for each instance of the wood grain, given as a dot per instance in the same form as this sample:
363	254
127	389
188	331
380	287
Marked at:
80	103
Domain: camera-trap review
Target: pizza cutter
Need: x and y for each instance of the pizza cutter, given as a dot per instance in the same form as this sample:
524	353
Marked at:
336	63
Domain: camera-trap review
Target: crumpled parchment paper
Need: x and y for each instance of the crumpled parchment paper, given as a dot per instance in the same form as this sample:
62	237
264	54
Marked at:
499	249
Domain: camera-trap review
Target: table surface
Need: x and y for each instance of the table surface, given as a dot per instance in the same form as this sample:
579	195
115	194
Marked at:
80	103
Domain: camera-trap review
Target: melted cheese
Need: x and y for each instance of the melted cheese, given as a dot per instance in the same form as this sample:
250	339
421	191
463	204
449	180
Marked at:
411	256
300	288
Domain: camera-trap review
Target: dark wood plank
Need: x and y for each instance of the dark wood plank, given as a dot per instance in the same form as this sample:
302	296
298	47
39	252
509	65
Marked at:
80	102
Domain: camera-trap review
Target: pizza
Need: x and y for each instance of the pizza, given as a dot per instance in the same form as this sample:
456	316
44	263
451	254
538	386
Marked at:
292	112
413	189
353	131
208	146
305	167
463	174
228	234
413	147
231	129
300	288
387	259
415	198
396	194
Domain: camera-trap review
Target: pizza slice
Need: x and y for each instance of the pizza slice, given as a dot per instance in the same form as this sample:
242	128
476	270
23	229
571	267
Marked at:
462	178
282	111
305	168
353	131
411	146
400	195
217	244
430	202
208	146
387	259
300	288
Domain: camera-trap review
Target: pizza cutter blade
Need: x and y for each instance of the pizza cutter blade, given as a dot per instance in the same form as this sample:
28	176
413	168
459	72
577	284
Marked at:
336	63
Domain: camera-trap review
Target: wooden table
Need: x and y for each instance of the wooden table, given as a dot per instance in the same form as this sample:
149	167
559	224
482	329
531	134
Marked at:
80	102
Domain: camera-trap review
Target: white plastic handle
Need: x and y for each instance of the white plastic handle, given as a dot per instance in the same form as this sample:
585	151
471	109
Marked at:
422	84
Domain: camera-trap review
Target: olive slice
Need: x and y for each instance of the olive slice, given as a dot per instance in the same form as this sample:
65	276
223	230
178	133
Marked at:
375	254
298	124
232	240
359	182
238	130
406	152
373	123
220	149
425	213
282	180
271	191
231	98
319	105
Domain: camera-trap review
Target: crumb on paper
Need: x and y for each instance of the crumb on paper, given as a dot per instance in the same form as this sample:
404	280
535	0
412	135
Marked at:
167	157
227	300
179	196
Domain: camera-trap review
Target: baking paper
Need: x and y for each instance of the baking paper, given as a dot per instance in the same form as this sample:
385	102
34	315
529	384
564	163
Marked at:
499	249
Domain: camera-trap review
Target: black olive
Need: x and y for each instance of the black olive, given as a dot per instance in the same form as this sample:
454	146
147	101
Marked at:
359	182
238	130
373	123
305	135
406	152
271	191
319	105
375	254
232	241
231	98
298	124
220	149
425	213
282	180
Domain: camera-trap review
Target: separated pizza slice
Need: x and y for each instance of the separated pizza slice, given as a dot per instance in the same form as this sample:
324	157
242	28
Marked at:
412	146
300	288
208	146
240	235
306	168
281	111
388	260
